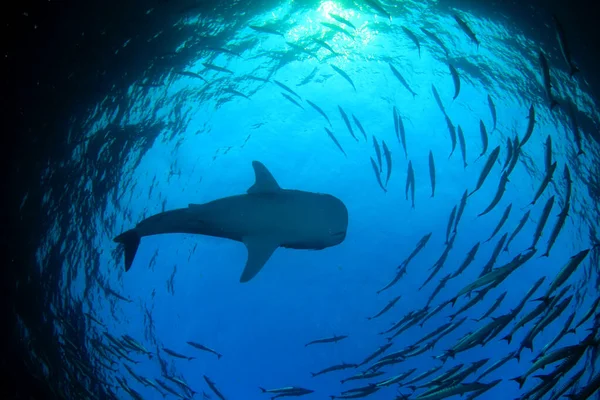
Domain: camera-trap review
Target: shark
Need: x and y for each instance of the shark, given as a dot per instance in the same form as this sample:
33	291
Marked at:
263	219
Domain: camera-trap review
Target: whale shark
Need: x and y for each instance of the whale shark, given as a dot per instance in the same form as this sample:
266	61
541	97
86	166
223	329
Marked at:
265	218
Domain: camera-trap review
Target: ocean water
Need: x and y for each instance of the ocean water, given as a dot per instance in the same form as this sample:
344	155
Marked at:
185	287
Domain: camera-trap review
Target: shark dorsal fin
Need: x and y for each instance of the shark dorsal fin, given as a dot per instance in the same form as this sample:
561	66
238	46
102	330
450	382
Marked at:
260	249
264	182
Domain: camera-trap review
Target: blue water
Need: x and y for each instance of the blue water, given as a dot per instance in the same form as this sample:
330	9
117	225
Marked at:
261	327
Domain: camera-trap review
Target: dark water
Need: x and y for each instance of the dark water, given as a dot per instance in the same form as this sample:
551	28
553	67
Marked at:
165	130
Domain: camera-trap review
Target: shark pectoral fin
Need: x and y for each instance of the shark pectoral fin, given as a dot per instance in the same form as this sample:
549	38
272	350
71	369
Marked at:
260	249
264	181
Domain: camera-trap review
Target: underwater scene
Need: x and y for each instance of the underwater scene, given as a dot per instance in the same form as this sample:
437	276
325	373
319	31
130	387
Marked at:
330	200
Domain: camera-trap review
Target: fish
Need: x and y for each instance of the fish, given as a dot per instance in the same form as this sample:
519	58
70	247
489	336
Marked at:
367	375
501	222
466	29
588	315
213	387
456	80
292	100
410	182
402	80
400	132
360	127
468	260
438	99
319	110
338	367
487	168
301	49
235	93
412	37
548	153
342	20
333	339
332	137
420	245
436	40
542	221
347	122
286	392
344	75
181	384
564	274
575	128
216	68
569	182
324	45
263	220
533	314
397	378
388	307
516	153
177	355
401	272
224	51
530	126
377	174
492	107
438	288
484	139
388	160
204	348
452	134
432	173
450	222
337	28
377	153
440	262
463	146
496	365
547	82
545	182
379	8
562	217
287	89
493	308
309	77
265	29
509	153
564	46
461	209
190	74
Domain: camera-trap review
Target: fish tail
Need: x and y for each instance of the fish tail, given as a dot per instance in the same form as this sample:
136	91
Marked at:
131	240
219	356
580	152
553	104
574	70
508	338
520	380
546	254
262	390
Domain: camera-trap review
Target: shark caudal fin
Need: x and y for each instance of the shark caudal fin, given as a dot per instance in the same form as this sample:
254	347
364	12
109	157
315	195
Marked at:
131	241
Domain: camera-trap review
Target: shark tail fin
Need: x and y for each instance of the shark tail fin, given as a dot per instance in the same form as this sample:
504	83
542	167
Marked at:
131	241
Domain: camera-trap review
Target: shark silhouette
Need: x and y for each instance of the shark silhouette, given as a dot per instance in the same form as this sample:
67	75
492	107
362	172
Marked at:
265	218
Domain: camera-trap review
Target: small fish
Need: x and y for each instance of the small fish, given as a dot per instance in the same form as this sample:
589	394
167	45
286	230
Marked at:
265	29
509	153
499	194
569	182
377	153
466	29
484	139
548	153
347	122
463	146
235	93
564	46
435	39
216	68
204	348
563	275
368	375
332	136
487	168
501	222
177	355
338	367
545	182
456	80
190	74
468	260
420	245
342	20
493	308
461	209
452	131
316	107
377	175
344	75
438	100
325	45
333	339
450	223
530	126
432	173
575	127
379	8
337	28
223	50
413	37
287	392
287	89
400	132
388	160
411	182
309	77
402	80
520	226
360	127
542	222
388	307
492	110
300	49
547	82
292	100
213	387
516	153
562	217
